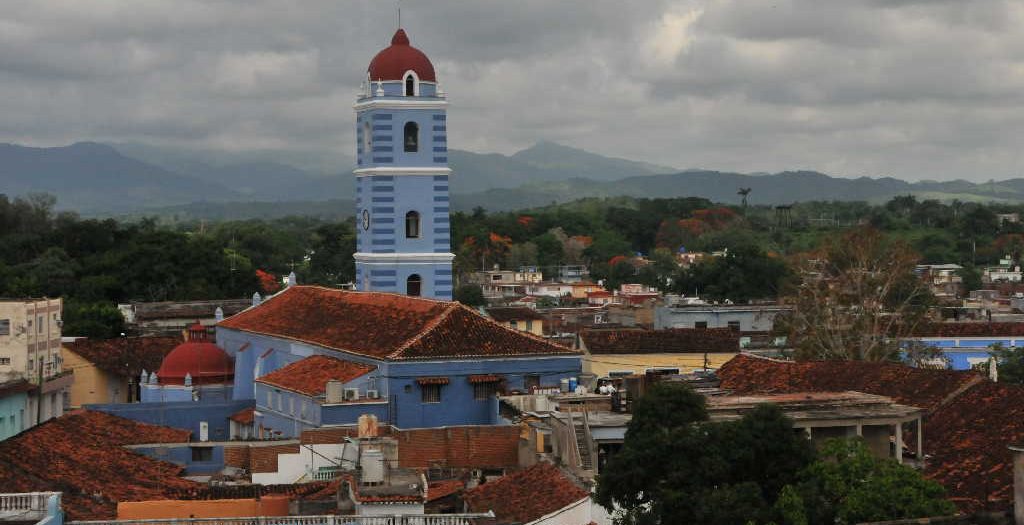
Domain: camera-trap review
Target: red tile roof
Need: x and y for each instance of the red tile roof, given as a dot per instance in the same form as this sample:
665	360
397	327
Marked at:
525	495
81	454
386	326
125	357
969	329
970	425
514	313
244	416
927	389
444	488
309	376
669	341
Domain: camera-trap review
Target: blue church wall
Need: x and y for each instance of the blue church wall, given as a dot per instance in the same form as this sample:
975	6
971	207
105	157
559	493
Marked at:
348	413
184	415
966	352
386	129
182	455
388	199
179	393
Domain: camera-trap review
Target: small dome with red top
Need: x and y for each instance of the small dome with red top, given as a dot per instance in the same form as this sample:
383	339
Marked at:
394	61
205	362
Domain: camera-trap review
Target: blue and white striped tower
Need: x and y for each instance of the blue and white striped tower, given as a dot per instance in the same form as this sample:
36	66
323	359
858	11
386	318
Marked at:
403	241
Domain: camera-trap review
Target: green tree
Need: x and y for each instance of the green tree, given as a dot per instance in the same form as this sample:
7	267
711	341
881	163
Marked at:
744	273
99	320
849	485
674	463
470	295
1009	363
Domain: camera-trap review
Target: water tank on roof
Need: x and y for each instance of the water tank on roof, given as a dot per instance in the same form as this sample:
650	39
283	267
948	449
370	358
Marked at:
335	391
372	465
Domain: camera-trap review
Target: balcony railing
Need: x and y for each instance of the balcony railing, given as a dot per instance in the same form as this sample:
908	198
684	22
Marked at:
43	507
392	519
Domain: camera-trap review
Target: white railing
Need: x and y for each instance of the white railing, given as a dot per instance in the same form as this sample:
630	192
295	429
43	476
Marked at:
25	502
393	519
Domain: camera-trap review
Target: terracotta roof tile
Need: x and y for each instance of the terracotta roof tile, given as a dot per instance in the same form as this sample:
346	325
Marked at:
81	454
309	376
386	326
669	341
927	389
967	432
444	488
125	357
244	416
526	495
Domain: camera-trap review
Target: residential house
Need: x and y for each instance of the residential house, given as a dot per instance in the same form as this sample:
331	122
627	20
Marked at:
13	404
969	422
570	320
943	280
30	343
108	370
539	495
173	317
498	284
572	273
435	362
518	318
1005	272
967	345
745	318
628	351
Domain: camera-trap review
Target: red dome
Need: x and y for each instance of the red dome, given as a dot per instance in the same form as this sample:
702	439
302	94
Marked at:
206	362
399	57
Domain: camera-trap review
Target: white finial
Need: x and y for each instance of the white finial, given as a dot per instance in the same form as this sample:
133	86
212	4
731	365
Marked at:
143	377
188	379
380	88
292	280
256	299
440	91
218	314
152	378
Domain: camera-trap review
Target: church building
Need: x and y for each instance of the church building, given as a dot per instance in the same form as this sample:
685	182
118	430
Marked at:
403	242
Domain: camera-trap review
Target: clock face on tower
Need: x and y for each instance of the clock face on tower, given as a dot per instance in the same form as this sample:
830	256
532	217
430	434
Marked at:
366	220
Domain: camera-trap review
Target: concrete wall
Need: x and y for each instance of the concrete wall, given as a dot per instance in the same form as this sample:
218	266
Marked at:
93	385
751	319
291	467
182	455
31	335
578	513
218	508
186	415
601	365
13	410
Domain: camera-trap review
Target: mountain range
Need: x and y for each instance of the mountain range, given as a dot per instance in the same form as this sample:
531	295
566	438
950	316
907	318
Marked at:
134	179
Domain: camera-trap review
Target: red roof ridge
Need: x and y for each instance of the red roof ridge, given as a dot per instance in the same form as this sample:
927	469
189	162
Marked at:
433	324
530	335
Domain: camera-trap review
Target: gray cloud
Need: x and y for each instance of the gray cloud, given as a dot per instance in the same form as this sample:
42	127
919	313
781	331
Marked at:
912	89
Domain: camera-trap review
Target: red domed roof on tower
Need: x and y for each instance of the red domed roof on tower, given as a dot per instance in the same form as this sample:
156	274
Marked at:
206	362
399	57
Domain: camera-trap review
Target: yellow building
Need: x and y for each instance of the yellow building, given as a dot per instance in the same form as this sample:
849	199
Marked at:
626	351
108	370
519	318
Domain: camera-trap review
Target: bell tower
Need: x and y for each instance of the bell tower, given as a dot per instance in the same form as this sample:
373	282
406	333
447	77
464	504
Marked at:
403	230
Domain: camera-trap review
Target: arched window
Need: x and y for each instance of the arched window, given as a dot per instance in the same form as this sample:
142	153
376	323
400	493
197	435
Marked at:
413	285
410	86
412	225
412	137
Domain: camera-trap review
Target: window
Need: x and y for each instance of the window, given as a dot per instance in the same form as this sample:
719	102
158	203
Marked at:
410	86
412	137
529	325
531	382
413	285
367	139
412	225
430	393
202	453
5	327
484	390
5	360
734	325
270	399
31	364
39	326
700	324
514	324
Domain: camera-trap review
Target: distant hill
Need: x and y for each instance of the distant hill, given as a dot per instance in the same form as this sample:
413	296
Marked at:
95	177
134	179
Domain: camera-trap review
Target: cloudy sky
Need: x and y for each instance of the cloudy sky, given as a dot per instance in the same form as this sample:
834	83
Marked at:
911	89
